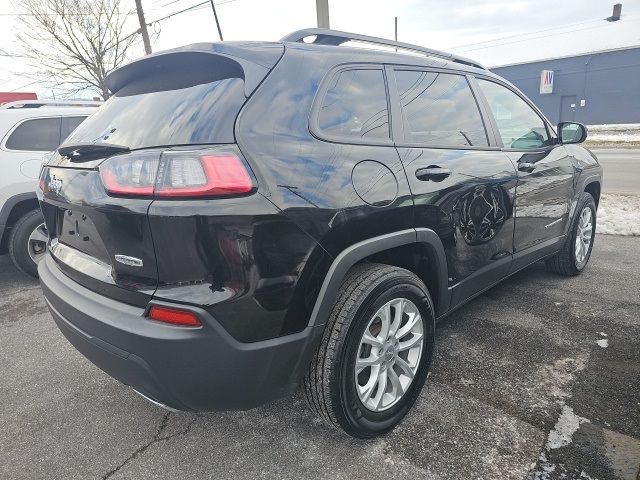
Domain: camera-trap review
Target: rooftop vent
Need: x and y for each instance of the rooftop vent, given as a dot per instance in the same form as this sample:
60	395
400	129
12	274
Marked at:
617	11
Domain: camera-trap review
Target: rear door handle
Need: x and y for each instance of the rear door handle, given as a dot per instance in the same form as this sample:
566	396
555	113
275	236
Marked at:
433	173
526	167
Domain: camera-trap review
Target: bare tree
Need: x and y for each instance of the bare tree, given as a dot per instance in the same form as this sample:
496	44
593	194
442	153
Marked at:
73	44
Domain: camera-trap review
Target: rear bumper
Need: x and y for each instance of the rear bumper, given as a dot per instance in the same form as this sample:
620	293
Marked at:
182	368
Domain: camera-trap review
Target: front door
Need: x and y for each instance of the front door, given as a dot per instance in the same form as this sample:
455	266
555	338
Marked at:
545	172
463	187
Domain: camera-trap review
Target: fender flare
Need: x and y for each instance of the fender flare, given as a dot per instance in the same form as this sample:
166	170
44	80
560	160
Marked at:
353	254
11	202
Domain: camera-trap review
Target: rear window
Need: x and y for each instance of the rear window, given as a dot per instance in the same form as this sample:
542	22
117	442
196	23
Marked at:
69	124
138	116
37	135
355	106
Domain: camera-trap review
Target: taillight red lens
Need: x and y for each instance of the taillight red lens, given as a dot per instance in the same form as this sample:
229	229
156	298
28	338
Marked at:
205	175
176	174
174	316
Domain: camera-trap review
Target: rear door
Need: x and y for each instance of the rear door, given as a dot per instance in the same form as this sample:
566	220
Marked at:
545	170
462	184
96	200
88	228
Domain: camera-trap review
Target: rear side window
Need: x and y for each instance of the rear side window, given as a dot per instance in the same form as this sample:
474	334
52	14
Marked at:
36	135
69	124
355	106
519	125
439	109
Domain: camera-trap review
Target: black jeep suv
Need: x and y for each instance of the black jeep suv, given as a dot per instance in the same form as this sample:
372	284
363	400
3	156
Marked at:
242	219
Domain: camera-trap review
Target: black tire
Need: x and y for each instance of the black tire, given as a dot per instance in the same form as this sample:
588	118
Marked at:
19	242
564	262
330	384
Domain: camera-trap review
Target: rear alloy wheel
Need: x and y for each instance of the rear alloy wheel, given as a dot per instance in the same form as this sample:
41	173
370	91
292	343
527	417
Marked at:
389	354
375	352
28	242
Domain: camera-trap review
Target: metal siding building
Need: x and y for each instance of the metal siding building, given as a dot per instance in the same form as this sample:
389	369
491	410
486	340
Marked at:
608	82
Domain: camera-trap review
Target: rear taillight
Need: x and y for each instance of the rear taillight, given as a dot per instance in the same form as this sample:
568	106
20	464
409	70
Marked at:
204	175
132	174
173	316
176	174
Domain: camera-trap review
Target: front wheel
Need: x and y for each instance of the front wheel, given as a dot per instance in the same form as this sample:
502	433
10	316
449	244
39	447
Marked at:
375	353
576	251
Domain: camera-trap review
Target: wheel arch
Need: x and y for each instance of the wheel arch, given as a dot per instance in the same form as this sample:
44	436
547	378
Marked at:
593	187
371	249
12	210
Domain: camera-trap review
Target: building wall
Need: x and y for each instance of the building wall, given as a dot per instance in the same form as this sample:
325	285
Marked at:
609	82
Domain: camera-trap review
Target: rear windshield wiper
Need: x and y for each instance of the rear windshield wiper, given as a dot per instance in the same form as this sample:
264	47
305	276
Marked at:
80	152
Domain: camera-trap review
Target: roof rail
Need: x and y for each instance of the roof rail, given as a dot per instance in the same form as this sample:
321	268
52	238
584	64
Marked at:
49	103
326	36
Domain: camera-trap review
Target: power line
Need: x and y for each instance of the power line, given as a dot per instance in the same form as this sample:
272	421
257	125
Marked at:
522	34
201	4
519	40
78	14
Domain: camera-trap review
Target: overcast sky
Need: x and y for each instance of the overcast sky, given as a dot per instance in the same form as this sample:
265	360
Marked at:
513	30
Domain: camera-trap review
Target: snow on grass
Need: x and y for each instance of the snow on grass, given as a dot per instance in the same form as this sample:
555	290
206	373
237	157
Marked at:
604	343
615	137
613	127
622	135
619	215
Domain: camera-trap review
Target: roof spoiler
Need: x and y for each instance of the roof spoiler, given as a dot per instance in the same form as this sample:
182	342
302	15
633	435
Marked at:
326	36
208	62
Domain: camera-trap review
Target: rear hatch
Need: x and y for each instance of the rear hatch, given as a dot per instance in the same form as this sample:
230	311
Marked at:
168	126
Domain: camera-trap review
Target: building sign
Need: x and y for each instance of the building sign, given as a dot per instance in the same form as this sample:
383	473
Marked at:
546	81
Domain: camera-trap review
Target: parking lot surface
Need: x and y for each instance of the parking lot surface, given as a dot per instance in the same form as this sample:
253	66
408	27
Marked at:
538	378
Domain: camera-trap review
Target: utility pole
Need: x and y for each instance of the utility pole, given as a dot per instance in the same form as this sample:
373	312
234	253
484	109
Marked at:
215	15
143	27
396	30
322	12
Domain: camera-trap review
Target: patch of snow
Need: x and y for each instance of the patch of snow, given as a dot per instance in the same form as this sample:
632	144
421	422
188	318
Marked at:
619	215
615	137
604	343
613	127
567	424
603	334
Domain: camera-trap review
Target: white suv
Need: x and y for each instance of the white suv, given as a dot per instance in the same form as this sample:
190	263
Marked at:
29	129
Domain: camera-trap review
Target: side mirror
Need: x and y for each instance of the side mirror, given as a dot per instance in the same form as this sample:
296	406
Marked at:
572	132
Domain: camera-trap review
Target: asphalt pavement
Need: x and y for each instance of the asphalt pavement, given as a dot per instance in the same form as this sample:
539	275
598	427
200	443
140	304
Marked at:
538	378
621	170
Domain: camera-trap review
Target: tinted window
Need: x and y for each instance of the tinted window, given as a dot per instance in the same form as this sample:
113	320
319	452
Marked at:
439	109
39	134
139	116
355	105
69	124
519	125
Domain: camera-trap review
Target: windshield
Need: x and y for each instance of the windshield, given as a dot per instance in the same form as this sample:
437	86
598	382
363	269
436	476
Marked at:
198	114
